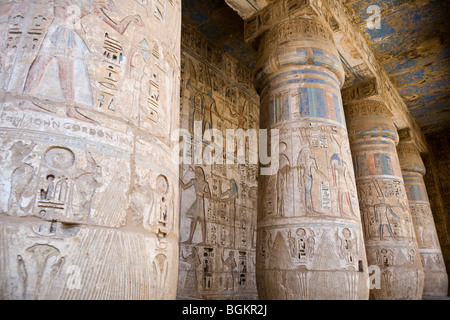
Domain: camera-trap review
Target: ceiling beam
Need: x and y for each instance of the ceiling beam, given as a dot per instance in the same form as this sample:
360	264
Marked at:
247	8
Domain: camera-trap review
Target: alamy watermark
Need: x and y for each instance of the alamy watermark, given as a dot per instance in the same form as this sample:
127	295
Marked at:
374	280
374	21
208	147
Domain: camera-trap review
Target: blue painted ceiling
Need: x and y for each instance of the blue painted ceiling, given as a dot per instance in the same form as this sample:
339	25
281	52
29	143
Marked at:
413	45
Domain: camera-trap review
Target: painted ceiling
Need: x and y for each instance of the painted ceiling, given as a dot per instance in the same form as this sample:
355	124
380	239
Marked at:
412	44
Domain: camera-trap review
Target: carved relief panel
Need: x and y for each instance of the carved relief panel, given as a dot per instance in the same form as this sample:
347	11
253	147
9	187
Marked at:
320	172
218	200
68	184
306	254
120	68
90	92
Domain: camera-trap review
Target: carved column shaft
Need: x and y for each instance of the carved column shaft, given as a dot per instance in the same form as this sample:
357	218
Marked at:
413	168
89	187
389	233
310	242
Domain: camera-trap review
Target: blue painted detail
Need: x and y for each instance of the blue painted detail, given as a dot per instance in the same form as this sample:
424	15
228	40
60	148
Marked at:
409	77
430	110
336	157
400	65
321	103
307	72
338	109
425	101
349	68
286	111
299	81
312	102
420	90
304	102
256	9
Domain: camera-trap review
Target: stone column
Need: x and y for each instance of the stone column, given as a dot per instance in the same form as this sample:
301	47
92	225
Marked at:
89	93
310	238
389	233
413	168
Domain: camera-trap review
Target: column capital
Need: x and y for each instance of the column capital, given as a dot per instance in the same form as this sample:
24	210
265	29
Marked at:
289	33
246	9
358	99
406	136
370	120
367	108
298	43
277	12
364	90
409	154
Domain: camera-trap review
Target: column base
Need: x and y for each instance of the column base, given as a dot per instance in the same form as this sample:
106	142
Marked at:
436	284
311	285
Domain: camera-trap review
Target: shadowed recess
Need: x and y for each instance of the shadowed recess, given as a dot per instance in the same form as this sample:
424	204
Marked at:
221	24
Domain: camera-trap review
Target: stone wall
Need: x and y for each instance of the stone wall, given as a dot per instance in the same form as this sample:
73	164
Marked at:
89	94
218	201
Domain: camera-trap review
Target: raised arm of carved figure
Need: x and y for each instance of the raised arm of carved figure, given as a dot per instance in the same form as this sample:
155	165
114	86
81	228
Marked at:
392	212
347	176
316	166
215	107
101	9
188	185
182	256
123	25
